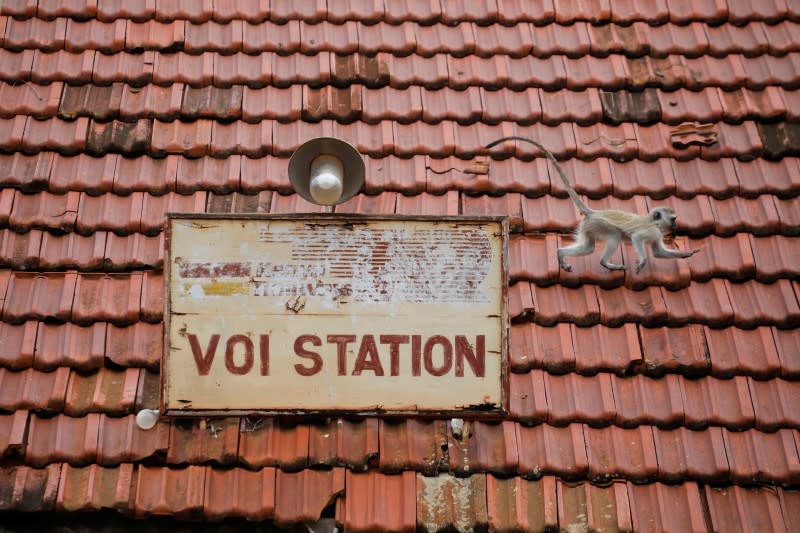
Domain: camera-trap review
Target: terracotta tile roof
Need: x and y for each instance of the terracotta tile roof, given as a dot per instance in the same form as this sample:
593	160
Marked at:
664	401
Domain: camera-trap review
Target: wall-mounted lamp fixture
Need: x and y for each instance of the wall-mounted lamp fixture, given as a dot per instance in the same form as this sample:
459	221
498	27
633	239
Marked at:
326	171
147	418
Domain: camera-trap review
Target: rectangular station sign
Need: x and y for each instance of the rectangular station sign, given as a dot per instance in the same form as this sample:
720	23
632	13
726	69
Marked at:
335	314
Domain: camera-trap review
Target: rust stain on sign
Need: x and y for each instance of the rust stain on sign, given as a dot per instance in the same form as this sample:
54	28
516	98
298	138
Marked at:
330	313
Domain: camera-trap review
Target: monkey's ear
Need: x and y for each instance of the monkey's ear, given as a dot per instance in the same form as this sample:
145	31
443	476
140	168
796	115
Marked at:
657	215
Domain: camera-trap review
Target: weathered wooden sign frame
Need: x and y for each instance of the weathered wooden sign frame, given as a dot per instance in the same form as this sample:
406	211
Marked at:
335	314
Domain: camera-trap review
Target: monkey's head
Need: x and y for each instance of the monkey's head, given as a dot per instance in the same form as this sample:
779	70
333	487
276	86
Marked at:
665	218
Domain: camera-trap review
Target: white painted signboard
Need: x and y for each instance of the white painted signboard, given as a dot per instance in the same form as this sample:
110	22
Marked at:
329	313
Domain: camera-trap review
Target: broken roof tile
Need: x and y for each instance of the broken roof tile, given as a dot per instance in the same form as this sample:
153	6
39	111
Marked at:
699	455
550	450
69	345
320	488
44	210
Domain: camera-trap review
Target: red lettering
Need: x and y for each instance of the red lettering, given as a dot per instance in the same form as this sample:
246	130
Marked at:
341	342
264	352
368	348
416	355
247	365
307	354
394	342
203	362
477	361
447	352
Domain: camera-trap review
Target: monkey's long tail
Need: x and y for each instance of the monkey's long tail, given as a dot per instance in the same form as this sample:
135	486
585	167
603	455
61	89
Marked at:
585	209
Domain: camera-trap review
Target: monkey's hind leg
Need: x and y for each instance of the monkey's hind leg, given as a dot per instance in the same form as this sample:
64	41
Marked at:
612	244
584	245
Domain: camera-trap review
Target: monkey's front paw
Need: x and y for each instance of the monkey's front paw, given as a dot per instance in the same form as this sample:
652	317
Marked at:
567	267
640	266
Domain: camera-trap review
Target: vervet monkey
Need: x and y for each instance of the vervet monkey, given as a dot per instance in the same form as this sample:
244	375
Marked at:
612	226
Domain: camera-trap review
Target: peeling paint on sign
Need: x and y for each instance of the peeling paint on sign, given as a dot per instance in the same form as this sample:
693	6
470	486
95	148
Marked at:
327	313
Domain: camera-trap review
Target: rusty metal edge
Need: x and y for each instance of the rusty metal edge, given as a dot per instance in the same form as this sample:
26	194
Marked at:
498	413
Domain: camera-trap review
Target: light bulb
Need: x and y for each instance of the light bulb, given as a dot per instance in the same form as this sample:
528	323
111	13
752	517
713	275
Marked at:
147	418
326	183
